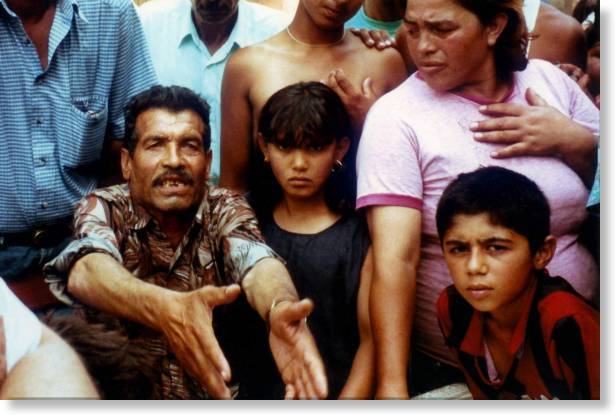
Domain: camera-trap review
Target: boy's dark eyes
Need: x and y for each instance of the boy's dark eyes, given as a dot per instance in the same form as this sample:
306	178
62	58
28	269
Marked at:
497	248
458	249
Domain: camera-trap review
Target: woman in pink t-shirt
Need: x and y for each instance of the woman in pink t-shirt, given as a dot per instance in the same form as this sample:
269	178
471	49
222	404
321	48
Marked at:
474	101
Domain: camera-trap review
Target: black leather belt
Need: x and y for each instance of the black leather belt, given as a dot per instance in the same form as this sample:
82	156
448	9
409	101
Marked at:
40	237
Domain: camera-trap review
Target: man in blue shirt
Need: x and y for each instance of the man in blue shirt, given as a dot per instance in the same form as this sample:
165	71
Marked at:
191	41
67	69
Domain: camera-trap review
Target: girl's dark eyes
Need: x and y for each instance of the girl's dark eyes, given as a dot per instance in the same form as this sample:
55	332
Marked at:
282	147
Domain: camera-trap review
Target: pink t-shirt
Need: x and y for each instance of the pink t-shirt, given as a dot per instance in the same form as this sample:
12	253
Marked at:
416	141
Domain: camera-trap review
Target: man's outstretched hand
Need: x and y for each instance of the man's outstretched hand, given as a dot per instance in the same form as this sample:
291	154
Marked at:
295	351
190	335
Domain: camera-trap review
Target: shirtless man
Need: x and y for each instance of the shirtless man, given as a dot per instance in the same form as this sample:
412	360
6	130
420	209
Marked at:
557	37
314	47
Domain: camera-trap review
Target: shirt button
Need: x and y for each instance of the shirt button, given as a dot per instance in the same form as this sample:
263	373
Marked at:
39	120
42	161
39	80
44	205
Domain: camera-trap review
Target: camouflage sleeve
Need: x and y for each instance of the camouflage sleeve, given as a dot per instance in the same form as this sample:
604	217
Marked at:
238	236
93	232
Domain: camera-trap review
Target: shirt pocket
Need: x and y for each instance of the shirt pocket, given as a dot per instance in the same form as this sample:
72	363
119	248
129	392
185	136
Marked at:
86	124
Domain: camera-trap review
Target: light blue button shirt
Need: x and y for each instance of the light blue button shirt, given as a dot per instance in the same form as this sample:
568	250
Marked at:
53	122
181	58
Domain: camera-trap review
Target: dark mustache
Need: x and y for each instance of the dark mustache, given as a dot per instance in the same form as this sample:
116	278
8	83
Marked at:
178	175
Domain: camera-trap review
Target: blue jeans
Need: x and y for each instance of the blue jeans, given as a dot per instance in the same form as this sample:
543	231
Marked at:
15	260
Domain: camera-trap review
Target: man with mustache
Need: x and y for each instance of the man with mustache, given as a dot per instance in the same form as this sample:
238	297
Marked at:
163	250
191	40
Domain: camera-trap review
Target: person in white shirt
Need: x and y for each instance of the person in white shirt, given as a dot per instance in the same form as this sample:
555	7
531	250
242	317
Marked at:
34	361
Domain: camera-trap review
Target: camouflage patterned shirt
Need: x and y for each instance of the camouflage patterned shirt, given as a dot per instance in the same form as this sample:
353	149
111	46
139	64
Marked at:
220	247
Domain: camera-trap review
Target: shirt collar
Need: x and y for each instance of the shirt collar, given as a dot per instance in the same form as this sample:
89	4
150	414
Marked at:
240	35
242	32
72	6
185	25
7	9
66	7
473	340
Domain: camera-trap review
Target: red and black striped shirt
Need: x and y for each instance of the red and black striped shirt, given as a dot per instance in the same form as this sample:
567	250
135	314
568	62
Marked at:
556	345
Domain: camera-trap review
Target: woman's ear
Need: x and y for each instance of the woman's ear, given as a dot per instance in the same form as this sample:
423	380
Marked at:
496	27
263	146
545	252
341	148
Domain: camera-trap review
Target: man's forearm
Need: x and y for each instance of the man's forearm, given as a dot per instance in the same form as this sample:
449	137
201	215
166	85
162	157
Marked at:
100	281
267	281
392	315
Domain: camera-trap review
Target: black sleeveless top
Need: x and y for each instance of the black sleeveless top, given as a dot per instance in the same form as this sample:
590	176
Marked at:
326	268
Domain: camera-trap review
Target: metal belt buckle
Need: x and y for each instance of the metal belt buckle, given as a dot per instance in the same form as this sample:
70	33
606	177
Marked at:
39	237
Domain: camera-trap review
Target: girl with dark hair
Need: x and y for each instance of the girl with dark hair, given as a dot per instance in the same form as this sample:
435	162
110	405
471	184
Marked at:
475	100
305	206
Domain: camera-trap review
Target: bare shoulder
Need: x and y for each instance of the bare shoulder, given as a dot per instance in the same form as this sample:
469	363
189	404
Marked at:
253	58
558	37
386	64
555	21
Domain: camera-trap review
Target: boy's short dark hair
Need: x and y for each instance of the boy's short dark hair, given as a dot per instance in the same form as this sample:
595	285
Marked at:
173	98
510	199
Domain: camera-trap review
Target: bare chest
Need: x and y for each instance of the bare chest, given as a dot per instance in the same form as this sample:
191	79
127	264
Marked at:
38	32
281	72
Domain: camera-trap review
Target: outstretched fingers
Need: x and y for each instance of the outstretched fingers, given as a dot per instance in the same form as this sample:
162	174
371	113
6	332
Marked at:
296	312
215	296
213	380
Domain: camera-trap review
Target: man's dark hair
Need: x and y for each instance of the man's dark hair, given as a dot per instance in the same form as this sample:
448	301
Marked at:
173	98
510	50
307	114
510	199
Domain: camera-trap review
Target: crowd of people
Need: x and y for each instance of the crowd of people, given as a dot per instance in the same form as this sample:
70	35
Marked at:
331	199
